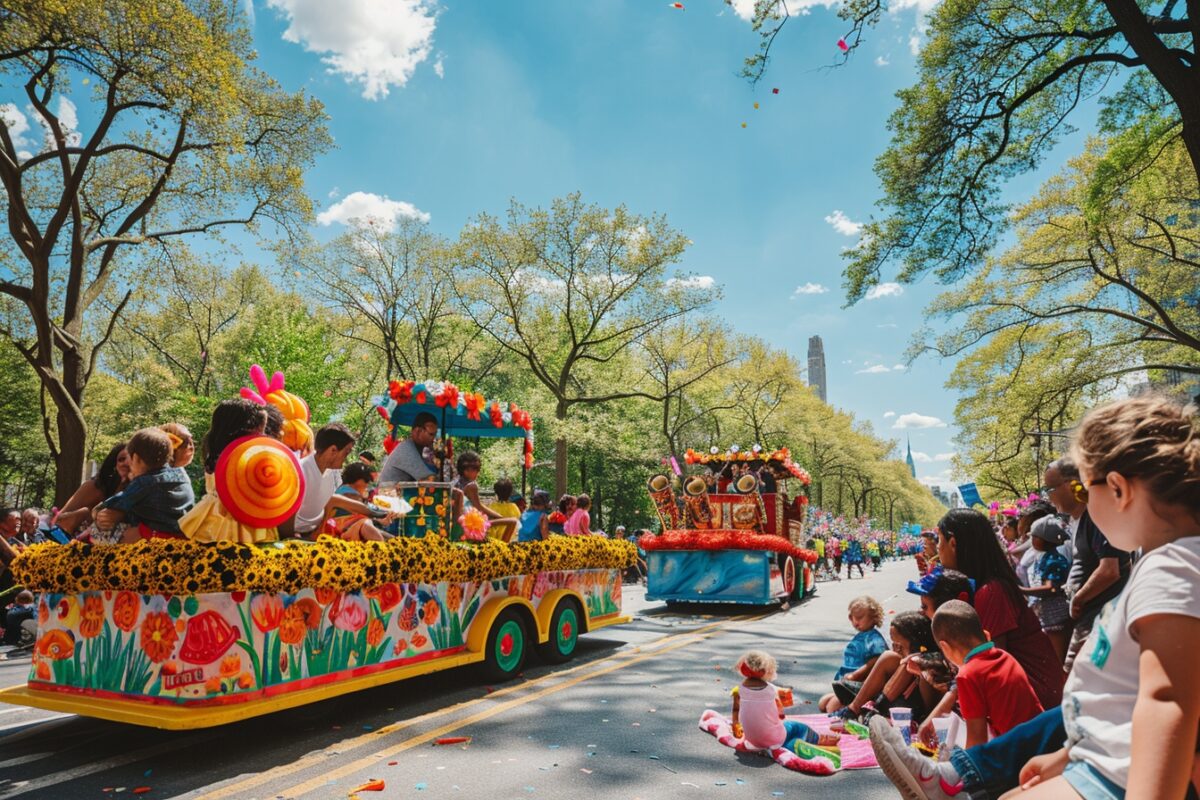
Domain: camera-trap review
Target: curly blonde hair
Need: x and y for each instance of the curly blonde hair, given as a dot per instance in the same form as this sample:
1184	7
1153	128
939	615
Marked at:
870	605
1152	438
761	665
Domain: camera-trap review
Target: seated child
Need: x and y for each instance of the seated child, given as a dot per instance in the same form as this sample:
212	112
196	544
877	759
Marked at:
356	484
156	497
535	524
866	615
994	693
887	678
20	611
758	710
1047	574
505	507
912	640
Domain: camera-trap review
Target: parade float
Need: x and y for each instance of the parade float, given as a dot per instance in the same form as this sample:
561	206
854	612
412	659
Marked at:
733	534
181	634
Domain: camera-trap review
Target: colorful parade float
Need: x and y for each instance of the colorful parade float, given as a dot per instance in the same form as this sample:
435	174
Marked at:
181	634
733	534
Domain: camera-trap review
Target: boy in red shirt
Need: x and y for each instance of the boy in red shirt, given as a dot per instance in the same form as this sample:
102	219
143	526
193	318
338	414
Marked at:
993	690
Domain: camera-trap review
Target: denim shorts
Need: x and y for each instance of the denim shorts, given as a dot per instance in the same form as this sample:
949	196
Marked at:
1090	783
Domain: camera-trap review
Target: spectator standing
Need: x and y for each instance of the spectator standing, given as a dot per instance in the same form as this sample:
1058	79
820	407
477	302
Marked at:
1099	571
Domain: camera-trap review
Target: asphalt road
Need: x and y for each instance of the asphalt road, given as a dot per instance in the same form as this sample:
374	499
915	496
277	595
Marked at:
619	721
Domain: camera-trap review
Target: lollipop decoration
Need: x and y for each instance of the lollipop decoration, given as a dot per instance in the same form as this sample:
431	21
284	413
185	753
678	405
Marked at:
296	432
259	481
474	524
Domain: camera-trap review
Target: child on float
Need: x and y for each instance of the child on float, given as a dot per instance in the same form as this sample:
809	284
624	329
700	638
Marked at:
860	654
535	524
1047	577
758	717
1131	706
893	674
351	526
558	518
157	496
209	520
580	522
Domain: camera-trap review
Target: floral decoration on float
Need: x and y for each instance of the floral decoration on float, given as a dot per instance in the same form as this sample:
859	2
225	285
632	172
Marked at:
724	540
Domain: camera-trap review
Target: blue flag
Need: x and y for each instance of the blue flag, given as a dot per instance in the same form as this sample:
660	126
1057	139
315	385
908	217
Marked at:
970	494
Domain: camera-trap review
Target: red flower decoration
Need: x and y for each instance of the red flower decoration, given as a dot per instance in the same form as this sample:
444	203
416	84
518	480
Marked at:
422	397
497	415
383	413
724	540
520	418
475	404
389	444
449	397
401	392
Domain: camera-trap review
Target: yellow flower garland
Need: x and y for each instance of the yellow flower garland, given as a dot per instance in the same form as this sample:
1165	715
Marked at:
185	567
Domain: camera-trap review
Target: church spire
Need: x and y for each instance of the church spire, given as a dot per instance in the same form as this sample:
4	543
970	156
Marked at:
912	466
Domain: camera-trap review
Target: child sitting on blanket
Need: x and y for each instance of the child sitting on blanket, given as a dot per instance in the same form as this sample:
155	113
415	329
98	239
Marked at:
758	710
866	615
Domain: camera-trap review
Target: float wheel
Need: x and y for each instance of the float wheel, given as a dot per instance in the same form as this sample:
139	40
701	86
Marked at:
564	633
791	587
506	646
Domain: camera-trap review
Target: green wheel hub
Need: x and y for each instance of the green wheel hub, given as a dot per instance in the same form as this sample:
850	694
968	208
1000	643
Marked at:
568	631
510	645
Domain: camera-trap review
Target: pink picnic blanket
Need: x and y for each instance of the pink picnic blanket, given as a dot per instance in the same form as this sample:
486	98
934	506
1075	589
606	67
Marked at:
856	753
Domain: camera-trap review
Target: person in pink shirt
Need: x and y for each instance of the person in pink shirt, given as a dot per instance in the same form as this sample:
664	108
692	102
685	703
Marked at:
580	523
758	710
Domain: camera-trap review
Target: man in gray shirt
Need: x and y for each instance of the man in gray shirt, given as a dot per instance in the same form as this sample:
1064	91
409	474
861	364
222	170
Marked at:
406	462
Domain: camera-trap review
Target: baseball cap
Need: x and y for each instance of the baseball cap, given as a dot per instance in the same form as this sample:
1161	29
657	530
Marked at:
1049	529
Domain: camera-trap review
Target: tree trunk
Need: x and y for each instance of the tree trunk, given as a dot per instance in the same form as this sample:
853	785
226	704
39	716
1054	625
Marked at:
560	455
72	447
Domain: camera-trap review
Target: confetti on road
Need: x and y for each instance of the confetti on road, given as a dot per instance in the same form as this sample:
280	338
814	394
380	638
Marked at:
585	770
452	740
372	785
420	787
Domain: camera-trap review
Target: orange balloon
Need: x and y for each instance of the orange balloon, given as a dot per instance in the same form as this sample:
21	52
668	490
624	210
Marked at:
259	481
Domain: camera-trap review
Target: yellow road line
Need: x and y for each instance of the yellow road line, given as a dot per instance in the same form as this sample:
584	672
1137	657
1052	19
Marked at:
367	761
240	787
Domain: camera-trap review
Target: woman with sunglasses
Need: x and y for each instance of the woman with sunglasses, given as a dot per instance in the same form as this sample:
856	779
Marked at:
966	543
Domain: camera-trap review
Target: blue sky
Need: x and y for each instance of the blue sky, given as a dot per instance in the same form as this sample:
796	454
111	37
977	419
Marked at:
451	110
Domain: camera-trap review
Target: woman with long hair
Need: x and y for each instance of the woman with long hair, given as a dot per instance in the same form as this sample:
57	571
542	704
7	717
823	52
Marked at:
966	543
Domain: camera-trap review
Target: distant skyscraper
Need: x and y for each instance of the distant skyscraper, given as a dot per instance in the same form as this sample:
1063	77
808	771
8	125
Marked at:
912	465
816	366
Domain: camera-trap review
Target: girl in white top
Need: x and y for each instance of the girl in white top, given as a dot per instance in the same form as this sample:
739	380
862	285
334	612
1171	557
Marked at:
1131	705
758	708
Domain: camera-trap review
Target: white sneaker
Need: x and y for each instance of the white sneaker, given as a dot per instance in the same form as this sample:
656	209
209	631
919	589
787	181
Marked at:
917	777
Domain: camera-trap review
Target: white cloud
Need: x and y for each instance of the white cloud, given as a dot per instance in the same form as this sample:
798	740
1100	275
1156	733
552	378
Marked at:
921	458
810	288
376	43
439	66
877	369
797	8
16	122
881	61
358	208
843	224
887	325
884	290
248	10
944	457
914	43
694	282
889	414
915	420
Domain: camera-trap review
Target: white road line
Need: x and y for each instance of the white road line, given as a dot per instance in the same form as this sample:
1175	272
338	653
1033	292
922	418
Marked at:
13	762
16	725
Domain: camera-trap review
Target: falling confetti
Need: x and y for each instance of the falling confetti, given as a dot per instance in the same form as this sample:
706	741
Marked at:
743	124
845	48
678	6
774	91
756	105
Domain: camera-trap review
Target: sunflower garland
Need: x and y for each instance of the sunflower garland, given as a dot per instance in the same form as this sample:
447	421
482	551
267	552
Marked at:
184	567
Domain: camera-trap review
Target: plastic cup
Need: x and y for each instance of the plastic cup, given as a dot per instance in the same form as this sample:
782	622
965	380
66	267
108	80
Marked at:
901	717
941	726
785	697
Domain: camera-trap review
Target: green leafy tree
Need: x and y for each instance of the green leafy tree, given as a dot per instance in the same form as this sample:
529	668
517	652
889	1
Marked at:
187	138
570	291
998	86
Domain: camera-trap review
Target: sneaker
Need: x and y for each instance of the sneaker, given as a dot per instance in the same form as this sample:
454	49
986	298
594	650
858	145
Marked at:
917	777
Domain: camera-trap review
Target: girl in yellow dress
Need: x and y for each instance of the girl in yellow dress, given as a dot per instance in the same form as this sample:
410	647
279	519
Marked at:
210	521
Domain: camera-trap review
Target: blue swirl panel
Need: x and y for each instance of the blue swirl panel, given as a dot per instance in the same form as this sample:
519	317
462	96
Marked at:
709	576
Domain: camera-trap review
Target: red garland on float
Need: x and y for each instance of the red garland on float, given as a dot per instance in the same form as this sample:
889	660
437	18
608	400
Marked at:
724	540
474	403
